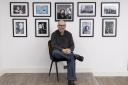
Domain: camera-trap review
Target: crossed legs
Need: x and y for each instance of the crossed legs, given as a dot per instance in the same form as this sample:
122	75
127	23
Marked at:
59	55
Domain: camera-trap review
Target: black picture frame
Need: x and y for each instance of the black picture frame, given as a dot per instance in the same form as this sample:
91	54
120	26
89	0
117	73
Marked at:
19	9
86	27
110	9
86	9
42	28
109	27
64	10
41	9
19	27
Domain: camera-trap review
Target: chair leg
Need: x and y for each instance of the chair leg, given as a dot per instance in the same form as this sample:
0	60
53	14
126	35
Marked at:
50	68
57	71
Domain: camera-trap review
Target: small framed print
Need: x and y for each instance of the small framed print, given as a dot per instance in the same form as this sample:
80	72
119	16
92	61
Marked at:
42	27
86	28
86	9
41	9
19	9
110	9
64	10
19	27
109	27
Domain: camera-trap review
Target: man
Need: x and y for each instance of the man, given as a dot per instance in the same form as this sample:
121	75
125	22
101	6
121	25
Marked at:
68	13
61	14
19	28
63	44
42	28
19	9
86	29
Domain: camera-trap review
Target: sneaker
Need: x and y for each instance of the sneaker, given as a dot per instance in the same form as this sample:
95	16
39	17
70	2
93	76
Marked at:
65	67
78	57
71	82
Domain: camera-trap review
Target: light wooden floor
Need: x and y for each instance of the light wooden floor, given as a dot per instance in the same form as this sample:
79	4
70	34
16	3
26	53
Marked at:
43	79
112	80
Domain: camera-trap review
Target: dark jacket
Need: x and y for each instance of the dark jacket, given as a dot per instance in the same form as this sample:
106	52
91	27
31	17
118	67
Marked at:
60	42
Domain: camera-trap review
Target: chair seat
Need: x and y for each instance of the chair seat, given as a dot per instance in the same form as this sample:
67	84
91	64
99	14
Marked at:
58	60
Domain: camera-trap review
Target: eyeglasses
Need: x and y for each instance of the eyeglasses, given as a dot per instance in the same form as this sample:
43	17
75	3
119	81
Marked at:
62	25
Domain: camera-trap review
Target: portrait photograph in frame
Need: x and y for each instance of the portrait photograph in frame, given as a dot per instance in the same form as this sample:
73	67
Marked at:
19	9
109	27
64	10
86	28
110	9
19	27
86	9
42	28
41	9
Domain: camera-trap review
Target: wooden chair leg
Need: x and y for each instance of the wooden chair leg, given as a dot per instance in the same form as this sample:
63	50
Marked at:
57	71
50	68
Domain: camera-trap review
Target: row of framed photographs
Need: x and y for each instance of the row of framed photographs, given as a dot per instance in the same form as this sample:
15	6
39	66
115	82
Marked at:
20	27
86	27
109	27
64	10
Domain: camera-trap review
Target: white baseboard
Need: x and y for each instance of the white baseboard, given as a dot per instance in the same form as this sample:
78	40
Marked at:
1	74
25	70
110	73
46	70
41	70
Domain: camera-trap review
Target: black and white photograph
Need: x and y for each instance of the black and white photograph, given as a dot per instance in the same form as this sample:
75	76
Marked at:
42	27
110	9
64	11
19	27
86	9
19	9
86	27
41	9
109	27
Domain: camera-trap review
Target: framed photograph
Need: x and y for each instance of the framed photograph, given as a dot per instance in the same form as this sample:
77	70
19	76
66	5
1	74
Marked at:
19	27
86	9
42	27
19	9
41	9
86	28
64	11
109	27
110	9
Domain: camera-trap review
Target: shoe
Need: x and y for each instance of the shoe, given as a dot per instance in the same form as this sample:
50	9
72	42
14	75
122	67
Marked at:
78	57
65	67
71	82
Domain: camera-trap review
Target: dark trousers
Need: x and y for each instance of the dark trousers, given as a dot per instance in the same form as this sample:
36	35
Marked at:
59	55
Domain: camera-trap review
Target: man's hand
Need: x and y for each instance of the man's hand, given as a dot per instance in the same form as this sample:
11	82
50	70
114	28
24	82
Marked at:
66	51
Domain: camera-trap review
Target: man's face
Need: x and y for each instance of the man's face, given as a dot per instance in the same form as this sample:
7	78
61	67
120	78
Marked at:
62	11
40	26
61	26
21	25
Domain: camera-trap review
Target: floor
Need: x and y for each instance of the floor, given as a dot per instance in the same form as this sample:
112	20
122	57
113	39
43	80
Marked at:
112	80
43	79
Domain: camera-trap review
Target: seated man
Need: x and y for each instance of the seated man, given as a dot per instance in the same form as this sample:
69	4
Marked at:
63	45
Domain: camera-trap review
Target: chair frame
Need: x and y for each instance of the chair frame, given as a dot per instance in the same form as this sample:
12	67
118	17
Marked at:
53	60
56	69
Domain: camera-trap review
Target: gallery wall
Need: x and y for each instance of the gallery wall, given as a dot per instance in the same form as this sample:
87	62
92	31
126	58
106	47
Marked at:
103	55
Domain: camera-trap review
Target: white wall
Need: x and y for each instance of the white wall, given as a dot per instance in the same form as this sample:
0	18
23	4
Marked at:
30	54
1	40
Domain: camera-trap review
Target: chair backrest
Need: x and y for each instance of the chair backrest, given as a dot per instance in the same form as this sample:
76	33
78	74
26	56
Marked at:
50	49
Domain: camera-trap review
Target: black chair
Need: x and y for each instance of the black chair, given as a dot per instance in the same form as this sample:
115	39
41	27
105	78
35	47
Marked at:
53	59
